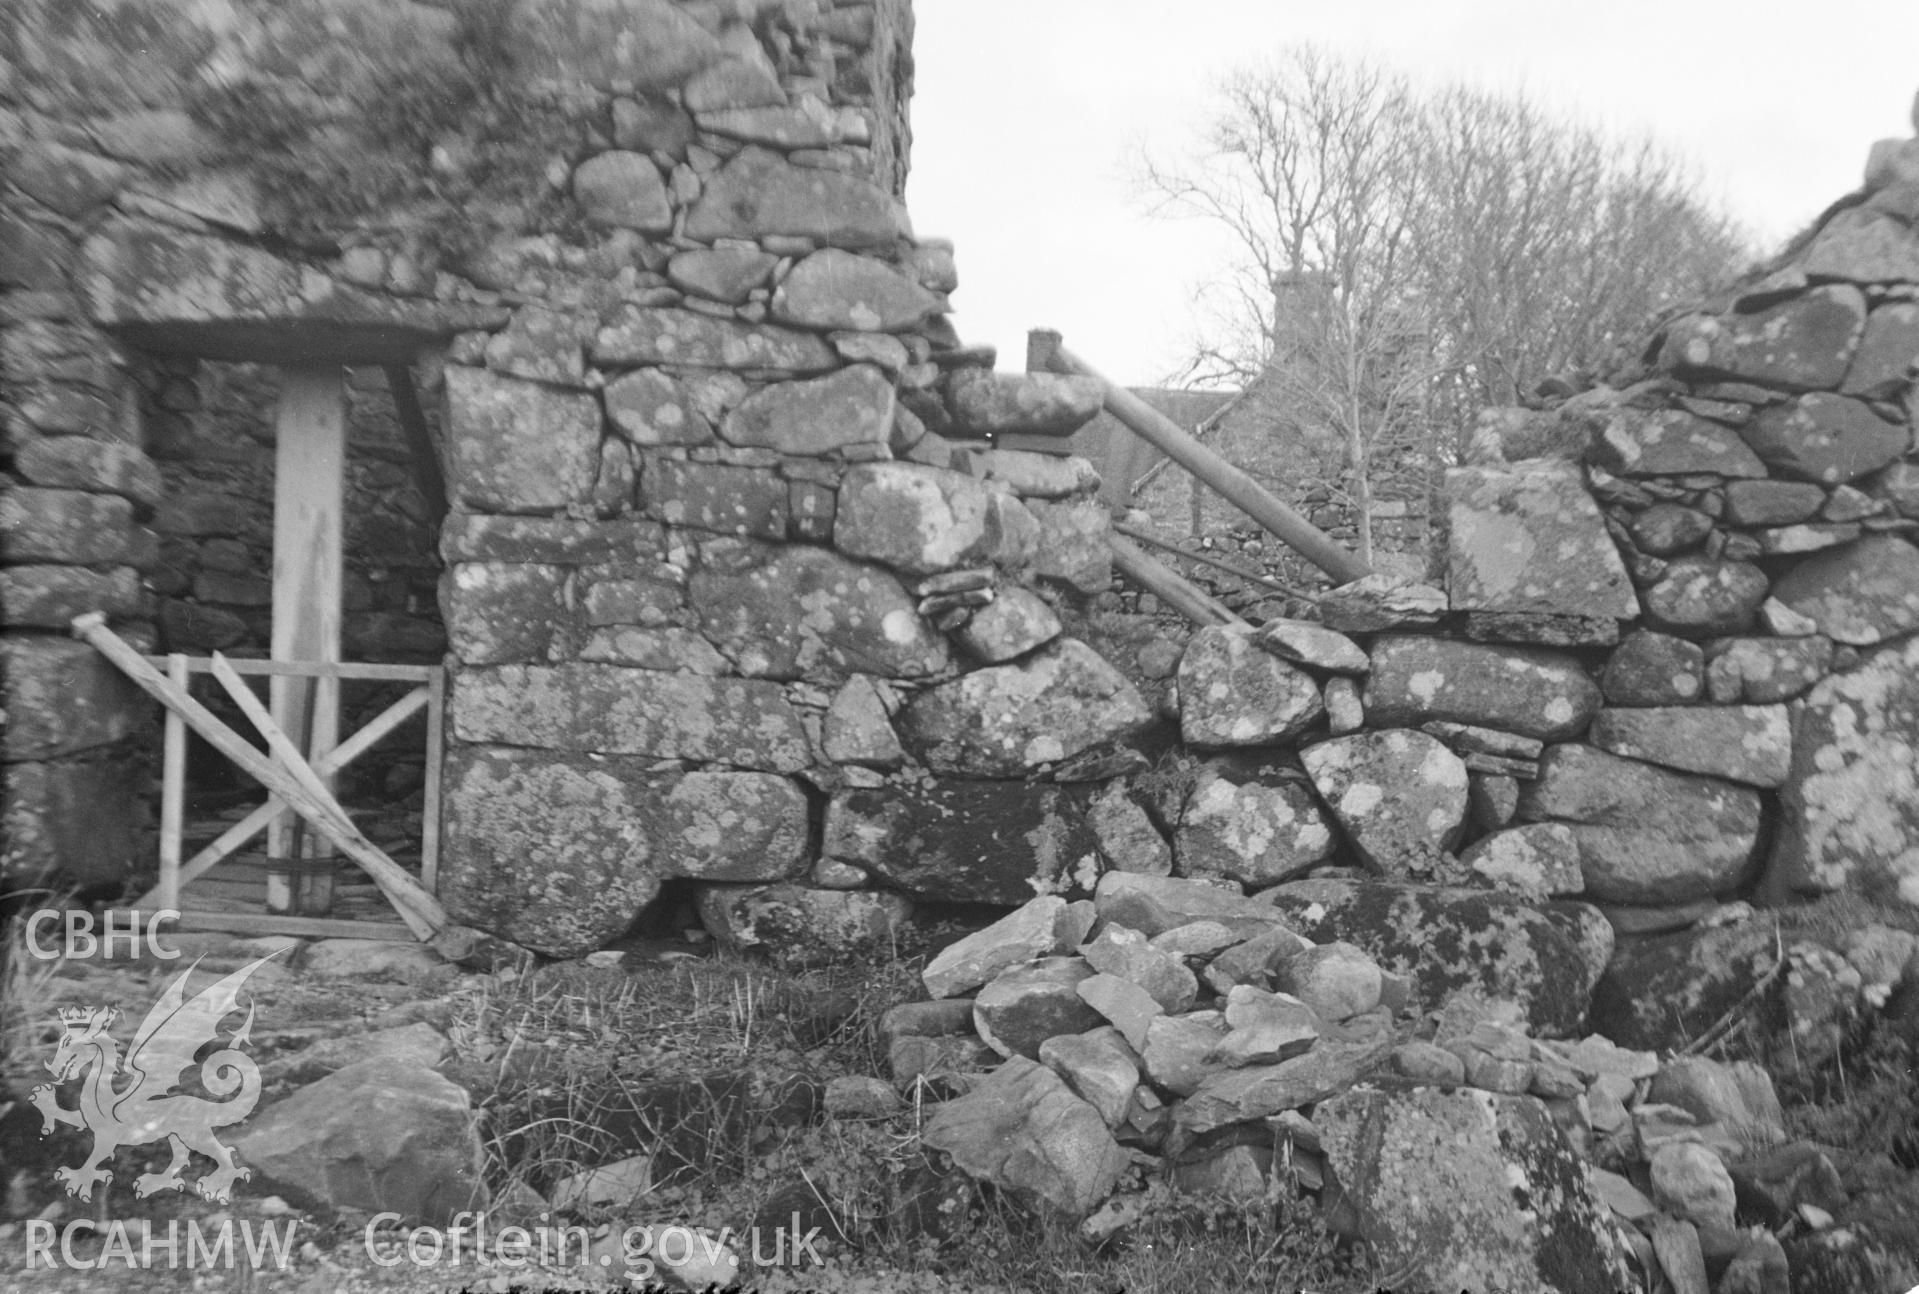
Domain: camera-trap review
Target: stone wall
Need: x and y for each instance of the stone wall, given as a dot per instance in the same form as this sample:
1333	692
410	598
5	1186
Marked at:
216	521
784	622
758	582
193	193
756	578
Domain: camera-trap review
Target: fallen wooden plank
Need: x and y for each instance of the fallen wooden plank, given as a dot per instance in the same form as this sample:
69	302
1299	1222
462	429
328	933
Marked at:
1163	582
265	923
1207	559
1229	481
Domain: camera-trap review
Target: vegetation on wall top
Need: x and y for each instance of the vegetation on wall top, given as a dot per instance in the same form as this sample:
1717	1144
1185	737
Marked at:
417	122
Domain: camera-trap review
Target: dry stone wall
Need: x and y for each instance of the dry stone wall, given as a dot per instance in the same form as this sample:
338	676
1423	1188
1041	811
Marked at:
757	578
1424	841
330	182
758	581
210	428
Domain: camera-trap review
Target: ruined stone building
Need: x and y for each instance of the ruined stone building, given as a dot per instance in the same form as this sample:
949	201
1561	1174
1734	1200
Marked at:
607	330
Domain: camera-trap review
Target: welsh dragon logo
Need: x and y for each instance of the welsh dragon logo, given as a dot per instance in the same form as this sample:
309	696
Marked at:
148	1107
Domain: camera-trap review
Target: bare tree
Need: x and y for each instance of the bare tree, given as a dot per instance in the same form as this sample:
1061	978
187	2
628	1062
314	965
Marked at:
1312	170
1544	244
1404	259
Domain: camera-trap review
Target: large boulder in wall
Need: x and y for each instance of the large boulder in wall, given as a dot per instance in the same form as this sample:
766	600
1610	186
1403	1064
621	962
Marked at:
1539	694
802	612
72	821
62	697
1663	991
1740	743
921	519
1449	942
1850	807
1532	540
1008	720
612	710
967	841
1863	593
559	853
519	446
1399	795
1803	343
1251	823
1646	834
1234	692
759	193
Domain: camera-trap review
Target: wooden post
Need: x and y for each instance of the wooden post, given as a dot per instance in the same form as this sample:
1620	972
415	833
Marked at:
173	793
1239	489
308	483
1207	559
419	442
1042	344
435	769
1162	581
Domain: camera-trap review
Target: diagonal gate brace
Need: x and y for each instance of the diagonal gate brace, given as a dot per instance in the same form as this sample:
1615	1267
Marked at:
326	765
292	779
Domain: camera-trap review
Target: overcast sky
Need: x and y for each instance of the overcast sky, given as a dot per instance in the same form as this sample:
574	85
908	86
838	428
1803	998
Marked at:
1026	113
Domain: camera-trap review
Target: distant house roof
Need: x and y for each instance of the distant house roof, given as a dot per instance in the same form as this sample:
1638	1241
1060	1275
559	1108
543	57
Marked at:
1123	459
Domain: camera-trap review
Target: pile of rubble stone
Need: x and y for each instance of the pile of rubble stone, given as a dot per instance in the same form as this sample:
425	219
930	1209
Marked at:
1180	1025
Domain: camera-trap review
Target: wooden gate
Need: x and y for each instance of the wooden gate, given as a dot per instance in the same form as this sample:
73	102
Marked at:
300	721
175	873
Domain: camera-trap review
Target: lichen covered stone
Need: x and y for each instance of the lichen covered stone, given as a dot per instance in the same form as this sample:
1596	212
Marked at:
1449	943
1863	593
921	519
1850	807
853	406
1532	541
1009	720
609	709
966	841
759	193
559	853
1251	825
519	446
1534	693
1803	343
1399	796
1466	1189
1232	692
795	611
1646	834
1747	743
